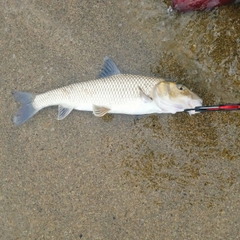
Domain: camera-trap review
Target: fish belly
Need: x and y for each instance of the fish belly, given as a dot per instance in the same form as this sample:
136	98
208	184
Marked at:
137	107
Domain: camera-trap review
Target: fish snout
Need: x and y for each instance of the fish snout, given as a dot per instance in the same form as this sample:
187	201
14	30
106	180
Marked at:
196	102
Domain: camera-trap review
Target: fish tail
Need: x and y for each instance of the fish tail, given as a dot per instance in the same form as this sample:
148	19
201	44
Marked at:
27	110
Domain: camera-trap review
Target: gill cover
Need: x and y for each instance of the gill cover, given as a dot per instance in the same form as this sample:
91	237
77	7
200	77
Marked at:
172	97
162	97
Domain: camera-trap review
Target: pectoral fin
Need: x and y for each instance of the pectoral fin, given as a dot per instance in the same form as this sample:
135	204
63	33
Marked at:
145	98
63	112
100	111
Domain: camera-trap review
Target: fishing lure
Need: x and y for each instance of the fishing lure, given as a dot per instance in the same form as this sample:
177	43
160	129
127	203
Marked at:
225	107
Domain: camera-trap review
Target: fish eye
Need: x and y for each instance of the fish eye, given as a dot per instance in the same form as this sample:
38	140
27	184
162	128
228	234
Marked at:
180	87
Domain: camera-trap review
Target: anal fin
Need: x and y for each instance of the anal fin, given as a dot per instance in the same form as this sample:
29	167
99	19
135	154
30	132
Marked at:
63	112
100	111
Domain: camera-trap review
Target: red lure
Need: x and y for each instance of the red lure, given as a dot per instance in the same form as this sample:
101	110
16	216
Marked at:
197	5
226	107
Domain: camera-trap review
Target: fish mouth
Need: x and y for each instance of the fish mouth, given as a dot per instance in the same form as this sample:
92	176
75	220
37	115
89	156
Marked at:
194	103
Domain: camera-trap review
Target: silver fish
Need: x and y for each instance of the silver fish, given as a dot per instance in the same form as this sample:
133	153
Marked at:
112	92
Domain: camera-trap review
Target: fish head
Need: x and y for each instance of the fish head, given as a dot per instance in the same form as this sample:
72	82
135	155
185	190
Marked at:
171	97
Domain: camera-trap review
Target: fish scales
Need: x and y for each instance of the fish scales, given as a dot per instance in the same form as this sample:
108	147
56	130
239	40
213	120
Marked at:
113	90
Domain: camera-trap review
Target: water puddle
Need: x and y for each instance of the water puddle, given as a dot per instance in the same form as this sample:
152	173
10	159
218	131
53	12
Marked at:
195	157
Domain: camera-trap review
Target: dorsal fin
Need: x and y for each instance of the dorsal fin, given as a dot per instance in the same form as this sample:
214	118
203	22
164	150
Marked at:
109	68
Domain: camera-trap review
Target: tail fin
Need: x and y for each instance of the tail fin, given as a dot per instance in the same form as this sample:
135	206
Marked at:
27	110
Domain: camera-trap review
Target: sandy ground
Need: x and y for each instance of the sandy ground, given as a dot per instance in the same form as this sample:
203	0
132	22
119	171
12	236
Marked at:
165	177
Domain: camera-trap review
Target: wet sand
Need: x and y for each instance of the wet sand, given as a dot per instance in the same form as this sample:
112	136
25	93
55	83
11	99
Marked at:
161	177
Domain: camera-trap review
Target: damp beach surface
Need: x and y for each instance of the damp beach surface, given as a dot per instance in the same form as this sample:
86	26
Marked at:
157	177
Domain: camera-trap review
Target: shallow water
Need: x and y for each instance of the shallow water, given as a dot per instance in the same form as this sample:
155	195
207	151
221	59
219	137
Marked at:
162	176
200	50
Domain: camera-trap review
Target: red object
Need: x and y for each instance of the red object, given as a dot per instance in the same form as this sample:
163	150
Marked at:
197	5
224	107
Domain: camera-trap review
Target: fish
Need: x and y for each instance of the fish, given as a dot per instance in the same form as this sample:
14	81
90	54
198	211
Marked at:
112	92
198	5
